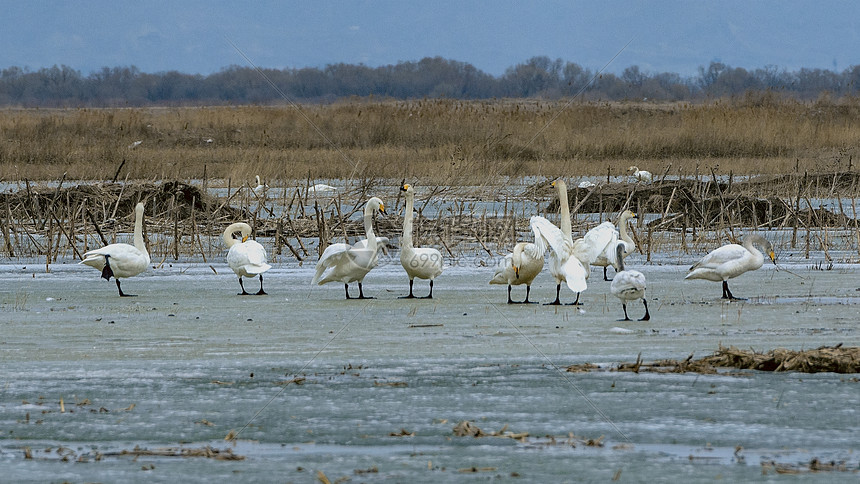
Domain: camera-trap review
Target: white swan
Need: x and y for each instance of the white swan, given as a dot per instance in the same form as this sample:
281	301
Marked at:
521	267
608	257
350	263
261	188
121	260
247	258
423	262
628	285
732	260
321	188
569	260
586	184
641	175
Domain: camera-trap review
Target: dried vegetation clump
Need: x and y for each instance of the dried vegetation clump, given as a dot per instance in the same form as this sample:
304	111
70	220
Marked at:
835	359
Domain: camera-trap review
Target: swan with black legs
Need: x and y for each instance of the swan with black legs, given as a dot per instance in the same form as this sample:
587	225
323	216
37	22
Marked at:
247	258
628	285
421	262
521	267
732	260
570	260
121	261
607	257
351	263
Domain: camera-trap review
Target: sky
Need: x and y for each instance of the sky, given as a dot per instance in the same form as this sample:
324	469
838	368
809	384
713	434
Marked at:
195	36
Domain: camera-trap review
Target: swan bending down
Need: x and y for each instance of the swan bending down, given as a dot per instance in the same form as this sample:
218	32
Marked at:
641	175
247	258
350	263
586	184
607	257
321	188
423	262
730	261
121	260
569	260
628	285
521	267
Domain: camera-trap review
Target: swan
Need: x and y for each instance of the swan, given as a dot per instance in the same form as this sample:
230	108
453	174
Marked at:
261	188
641	175
569	260
730	261
608	258
247	258
423	262
321	188
350	263
521	267
628	285
121	260
586	184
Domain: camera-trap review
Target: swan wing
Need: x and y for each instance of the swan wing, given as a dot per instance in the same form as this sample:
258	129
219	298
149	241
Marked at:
721	255
546	233
125	260
333	255
595	242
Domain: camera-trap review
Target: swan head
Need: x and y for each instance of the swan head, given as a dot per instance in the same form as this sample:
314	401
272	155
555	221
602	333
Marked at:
373	205
258	179
627	214
560	184
406	188
633	168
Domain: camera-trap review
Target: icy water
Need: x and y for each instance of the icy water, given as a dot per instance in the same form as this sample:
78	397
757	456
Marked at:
370	391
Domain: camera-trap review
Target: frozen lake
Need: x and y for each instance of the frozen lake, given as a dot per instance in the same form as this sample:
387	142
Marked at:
87	375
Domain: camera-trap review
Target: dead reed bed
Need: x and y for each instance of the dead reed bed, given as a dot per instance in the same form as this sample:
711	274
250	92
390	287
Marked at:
445	142
184	219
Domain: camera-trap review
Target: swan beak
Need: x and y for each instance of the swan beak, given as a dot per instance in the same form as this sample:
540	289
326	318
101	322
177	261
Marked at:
244	239
404	187
772	257
517	271
553	183
382	208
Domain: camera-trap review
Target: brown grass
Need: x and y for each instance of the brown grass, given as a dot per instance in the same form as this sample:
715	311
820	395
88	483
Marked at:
443	141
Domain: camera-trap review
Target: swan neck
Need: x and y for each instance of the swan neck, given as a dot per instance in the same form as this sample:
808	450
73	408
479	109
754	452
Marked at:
565	212
406	242
368	229
619	252
622	231
229	241
139	243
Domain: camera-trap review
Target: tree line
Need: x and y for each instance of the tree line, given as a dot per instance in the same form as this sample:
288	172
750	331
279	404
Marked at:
431	77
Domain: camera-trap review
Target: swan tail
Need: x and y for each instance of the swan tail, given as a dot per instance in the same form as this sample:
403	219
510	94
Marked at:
575	275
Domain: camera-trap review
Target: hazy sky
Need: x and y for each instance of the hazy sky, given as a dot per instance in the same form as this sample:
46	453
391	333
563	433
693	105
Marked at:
191	36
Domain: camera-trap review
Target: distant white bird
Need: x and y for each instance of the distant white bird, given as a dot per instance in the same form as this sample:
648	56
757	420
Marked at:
521	267
422	262
607	258
261	187
569	260
121	260
351	263
641	175
628	285
209	140
586	184
321	189
247	257
134	145
732	260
